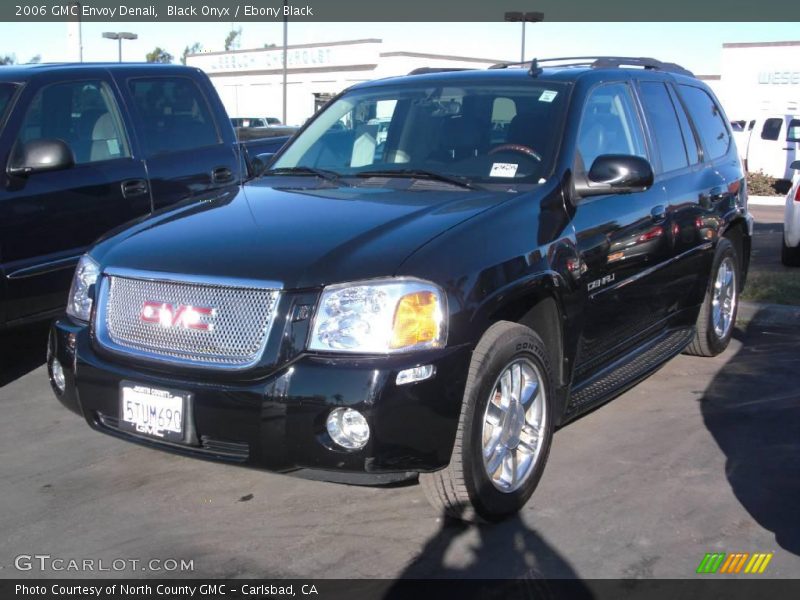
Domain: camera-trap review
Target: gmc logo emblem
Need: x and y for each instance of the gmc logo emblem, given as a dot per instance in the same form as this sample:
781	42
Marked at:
181	315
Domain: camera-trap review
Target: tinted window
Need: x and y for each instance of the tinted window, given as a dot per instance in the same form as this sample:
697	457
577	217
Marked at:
664	124
771	130
689	138
709	121
610	125
6	93
793	134
174	113
83	114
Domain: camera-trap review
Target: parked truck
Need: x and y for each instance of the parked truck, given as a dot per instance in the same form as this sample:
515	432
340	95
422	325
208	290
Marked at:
88	147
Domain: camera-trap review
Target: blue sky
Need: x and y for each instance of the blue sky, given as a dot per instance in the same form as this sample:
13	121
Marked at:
694	45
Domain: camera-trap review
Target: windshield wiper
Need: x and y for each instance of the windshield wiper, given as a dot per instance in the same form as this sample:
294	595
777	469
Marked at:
420	174
301	170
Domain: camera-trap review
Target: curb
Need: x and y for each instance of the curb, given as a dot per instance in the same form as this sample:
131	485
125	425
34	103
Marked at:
766	200
757	313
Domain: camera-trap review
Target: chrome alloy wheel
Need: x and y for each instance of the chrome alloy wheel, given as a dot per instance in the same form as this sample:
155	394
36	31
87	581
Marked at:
723	301
514	425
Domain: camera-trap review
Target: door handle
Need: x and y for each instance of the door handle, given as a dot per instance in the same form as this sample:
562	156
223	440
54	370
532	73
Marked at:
659	213
222	175
134	187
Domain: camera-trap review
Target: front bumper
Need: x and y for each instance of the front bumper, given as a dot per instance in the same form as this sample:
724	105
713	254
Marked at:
277	422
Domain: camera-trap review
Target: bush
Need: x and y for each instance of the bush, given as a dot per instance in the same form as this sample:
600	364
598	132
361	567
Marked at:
759	184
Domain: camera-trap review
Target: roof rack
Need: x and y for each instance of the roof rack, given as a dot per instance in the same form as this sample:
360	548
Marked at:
425	70
599	62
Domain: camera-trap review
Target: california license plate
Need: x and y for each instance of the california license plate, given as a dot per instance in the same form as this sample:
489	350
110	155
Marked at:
153	412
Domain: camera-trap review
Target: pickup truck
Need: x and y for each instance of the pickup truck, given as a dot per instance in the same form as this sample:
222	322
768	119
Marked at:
88	147
521	246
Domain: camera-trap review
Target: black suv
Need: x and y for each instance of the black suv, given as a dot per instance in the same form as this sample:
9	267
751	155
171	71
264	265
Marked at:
518	245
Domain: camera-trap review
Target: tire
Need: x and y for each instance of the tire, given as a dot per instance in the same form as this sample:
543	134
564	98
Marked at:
790	256
464	489
710	339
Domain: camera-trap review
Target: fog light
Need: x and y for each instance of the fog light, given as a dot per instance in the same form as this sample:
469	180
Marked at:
57	375
416	374
348	428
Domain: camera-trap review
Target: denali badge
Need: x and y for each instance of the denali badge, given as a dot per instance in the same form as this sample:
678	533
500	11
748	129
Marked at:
593	285
182	315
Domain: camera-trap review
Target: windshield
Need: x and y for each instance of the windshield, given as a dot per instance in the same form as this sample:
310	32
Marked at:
484	133
6	93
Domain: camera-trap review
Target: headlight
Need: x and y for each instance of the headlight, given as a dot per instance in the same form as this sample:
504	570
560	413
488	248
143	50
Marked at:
79	305
380	316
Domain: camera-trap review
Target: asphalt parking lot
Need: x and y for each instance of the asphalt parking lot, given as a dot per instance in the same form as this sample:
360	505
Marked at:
701	457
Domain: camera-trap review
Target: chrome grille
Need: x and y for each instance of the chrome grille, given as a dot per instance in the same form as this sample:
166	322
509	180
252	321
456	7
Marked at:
236	332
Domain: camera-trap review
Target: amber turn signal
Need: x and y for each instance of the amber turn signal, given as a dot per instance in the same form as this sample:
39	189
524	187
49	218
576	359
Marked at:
416	320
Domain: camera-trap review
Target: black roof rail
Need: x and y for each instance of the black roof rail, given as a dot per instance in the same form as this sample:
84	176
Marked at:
599	62
425	70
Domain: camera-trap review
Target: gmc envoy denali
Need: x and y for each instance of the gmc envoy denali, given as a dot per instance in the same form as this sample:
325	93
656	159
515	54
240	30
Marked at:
517	246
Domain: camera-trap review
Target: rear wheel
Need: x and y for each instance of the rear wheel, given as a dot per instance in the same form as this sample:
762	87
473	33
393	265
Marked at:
718	313
504	432
790	256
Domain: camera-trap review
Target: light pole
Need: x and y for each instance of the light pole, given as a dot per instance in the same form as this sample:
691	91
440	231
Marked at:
119	36
285	55
80	31
524	17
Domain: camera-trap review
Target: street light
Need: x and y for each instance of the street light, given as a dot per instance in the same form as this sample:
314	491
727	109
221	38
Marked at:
524	17
285	55
119	36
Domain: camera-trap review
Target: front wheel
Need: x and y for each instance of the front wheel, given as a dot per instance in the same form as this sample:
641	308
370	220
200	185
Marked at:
718	313
504	431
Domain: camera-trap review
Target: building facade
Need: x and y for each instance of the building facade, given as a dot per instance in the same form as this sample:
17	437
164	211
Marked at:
250	82
754	79
759	78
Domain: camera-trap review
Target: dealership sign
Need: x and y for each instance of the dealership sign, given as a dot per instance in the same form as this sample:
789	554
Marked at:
309	57
779	77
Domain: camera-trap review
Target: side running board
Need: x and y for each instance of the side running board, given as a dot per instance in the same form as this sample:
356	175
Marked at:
628	370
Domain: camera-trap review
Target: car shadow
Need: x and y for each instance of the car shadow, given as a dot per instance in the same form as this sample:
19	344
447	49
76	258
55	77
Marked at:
22	349
506	560
752	409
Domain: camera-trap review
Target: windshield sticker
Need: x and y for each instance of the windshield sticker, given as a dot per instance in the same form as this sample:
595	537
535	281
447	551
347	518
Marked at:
503	170
548	96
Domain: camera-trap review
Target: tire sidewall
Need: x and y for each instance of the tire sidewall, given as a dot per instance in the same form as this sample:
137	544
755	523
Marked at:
724	249
489	502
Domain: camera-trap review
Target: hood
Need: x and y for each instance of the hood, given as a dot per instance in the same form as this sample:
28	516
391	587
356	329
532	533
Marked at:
301	237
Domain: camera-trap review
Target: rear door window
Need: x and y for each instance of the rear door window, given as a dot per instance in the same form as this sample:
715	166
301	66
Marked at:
174	113
83	114
688	133
663	121
709	121
771	130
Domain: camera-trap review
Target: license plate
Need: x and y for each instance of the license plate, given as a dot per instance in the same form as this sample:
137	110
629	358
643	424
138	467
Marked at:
153	412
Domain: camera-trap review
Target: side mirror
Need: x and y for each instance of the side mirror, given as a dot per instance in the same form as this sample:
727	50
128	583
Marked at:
38	156
795	165
615	174
260	162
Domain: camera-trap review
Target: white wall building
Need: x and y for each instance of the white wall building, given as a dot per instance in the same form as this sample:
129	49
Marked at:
758	78
250	82
755	78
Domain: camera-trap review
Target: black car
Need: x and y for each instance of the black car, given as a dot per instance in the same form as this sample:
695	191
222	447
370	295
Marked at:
524	244
88	147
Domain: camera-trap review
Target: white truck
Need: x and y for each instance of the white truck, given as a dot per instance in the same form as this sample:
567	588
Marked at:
770	143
